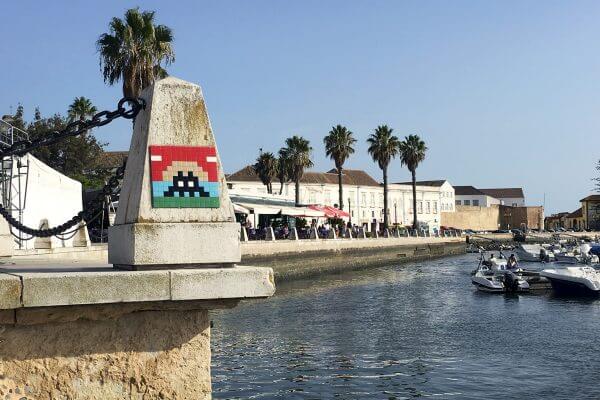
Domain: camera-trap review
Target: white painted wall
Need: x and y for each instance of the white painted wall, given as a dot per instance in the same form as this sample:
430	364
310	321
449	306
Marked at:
50	195
482	200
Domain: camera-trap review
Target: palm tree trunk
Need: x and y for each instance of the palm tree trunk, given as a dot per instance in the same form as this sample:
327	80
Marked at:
340	189
280	187
385	199
414	187
297	192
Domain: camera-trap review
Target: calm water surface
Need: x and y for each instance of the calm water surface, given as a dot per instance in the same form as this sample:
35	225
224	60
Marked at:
416	330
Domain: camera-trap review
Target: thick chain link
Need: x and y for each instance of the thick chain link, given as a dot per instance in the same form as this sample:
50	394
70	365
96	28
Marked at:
76	128
86	215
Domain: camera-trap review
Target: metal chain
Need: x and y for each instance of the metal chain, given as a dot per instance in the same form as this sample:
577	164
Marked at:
76	128
85	215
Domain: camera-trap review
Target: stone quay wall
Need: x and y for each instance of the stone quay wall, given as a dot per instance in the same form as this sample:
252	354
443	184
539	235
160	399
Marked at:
307	258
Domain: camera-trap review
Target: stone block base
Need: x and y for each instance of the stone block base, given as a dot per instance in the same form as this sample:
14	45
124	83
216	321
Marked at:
173	245
162	354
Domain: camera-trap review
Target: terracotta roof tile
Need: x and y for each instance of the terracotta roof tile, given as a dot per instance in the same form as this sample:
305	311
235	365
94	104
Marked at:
349	177
467	191
504	192
434	183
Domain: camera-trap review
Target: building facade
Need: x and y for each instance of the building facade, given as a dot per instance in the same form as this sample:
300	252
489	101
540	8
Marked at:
363	195
471	196
590	210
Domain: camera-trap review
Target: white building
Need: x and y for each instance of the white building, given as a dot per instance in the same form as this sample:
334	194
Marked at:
513	197
363	195
471	196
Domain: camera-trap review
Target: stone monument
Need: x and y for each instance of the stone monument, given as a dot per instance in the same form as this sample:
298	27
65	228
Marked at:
174	209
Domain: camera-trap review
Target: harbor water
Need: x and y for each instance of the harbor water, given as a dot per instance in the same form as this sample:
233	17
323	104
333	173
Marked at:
400	332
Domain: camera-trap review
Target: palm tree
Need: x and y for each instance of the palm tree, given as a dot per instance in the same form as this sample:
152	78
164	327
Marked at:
383	146
266	169
338	146
297	152
134	51
412	152
81	108
283	169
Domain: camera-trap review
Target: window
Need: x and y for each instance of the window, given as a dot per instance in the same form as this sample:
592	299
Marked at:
372	214
427	207
514	204
467	202
352	213
327	197
476	203
435	207
312	197
373	199
458	202
363	199
419	207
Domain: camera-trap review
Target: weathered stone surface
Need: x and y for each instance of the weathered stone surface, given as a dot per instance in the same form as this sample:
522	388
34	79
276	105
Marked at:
68	288
222	283
174	244
51	287
10	291
7	243
175	115
142	355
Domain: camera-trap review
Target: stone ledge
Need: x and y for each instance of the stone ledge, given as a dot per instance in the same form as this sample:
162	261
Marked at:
23	286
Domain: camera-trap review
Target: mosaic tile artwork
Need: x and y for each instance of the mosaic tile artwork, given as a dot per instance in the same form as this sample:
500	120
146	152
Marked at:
184	177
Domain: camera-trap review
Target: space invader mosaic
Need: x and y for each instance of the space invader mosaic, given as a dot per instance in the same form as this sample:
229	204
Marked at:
184	177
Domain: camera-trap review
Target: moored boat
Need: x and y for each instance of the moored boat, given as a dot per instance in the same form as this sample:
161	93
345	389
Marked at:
580	280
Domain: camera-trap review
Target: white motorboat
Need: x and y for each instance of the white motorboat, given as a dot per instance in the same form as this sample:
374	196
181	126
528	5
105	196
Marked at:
492	276
581	280
577	255
533	253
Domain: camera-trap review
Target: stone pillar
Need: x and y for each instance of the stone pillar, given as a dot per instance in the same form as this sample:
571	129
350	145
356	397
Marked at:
331	234
174	194
294	234
270	234
7	243
82	238
386	233
362	234
348	234
243	234
314	234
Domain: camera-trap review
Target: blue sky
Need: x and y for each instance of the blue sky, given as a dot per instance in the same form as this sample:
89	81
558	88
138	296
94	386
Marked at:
505	93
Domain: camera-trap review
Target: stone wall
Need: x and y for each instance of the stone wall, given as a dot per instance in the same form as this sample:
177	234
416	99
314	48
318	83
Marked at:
531	217
472	217
494	217
306	258
159	354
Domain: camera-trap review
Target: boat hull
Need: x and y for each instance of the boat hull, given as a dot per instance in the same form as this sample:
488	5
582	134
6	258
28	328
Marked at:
572	288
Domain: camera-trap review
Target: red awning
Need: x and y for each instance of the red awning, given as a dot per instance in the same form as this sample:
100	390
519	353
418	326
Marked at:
330	212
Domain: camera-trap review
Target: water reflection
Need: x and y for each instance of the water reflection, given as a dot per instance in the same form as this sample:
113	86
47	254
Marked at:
417	330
